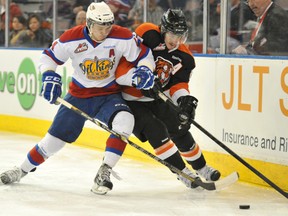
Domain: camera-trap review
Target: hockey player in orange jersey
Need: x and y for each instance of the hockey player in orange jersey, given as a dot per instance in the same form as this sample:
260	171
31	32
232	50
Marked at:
155	121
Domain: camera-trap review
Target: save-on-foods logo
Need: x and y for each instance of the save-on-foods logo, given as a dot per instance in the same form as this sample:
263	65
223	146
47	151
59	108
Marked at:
26	82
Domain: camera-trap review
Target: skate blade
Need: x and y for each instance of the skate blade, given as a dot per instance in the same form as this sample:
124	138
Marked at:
100	190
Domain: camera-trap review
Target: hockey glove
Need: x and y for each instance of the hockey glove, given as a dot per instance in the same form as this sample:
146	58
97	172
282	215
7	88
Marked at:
143	78
187	106
51	86
154	91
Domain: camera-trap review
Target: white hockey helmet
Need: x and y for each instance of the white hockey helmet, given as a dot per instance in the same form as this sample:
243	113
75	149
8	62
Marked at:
99	13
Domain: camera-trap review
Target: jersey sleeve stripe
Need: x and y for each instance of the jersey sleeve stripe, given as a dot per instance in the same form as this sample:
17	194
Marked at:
144	52
178	86
49	53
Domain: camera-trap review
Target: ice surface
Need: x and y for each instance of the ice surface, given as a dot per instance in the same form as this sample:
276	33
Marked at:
61	187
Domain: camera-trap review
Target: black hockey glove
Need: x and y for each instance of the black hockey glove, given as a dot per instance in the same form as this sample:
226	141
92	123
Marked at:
187	106
153	92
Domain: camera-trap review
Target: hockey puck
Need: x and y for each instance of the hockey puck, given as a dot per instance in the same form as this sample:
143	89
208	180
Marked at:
244	206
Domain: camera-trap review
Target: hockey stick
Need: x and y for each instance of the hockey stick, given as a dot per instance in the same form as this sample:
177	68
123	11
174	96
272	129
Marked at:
219	185
177	109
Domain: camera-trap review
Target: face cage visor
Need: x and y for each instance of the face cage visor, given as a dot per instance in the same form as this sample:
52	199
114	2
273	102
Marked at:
91	22
180	38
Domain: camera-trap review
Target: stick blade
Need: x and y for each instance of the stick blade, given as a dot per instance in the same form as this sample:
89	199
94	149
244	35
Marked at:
227	181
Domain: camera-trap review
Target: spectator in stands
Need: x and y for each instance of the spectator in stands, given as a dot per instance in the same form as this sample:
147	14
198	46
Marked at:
79	5
154	13
14	11
35	35
18	27
80	18
270	35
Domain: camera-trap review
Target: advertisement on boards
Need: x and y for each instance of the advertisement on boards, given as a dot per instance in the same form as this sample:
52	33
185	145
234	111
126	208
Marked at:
244	103
20	85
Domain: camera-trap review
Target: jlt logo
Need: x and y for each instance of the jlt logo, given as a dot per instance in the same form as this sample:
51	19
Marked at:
236	77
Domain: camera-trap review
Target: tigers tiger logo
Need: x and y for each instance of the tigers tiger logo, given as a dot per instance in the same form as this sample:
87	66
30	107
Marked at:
164	68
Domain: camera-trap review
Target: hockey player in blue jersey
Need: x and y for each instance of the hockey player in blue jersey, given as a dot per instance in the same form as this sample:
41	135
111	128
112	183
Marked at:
95	51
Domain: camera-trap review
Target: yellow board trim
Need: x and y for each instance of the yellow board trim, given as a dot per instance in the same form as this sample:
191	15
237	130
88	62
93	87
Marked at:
96	139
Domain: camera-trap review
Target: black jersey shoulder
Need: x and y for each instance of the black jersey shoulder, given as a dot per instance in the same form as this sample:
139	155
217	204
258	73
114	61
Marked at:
150	33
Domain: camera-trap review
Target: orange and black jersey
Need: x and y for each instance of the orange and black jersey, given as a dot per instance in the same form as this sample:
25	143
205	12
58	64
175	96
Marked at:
173	68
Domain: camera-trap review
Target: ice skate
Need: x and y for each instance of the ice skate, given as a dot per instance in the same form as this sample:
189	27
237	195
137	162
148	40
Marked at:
209	173
11	176
102	182
186	181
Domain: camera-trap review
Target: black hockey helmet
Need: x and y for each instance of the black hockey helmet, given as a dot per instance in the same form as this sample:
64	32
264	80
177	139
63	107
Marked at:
173	20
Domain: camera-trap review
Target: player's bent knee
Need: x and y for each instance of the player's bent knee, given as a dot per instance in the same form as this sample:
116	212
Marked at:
185	142
123	123
49	145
